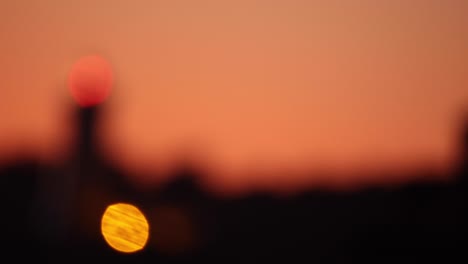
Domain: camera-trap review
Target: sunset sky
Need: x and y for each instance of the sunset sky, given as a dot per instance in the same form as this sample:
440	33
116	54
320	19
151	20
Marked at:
247	85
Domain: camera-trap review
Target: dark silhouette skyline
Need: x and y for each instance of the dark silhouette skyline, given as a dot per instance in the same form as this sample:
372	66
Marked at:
54	213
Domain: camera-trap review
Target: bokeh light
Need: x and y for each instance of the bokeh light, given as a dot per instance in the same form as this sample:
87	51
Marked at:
90	80
125	228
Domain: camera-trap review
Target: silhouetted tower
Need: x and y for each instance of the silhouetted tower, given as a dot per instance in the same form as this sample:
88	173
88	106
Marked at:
95	185
86	151
67	205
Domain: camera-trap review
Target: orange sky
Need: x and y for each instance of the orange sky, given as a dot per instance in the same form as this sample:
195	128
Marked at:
257	84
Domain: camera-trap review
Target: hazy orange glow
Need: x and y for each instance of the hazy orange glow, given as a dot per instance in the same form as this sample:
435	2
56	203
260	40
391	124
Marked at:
255	87
125	228
90	80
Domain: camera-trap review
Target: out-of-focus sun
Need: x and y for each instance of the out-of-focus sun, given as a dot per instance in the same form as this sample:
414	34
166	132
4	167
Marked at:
125	228
90	80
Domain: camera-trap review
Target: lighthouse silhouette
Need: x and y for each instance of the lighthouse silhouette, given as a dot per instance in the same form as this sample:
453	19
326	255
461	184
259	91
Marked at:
72	196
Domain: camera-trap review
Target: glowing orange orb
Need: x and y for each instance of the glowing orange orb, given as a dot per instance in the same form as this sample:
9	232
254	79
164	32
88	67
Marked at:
90	80
124	228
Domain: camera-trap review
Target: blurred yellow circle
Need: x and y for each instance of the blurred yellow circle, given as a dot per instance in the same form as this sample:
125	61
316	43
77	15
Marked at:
124	227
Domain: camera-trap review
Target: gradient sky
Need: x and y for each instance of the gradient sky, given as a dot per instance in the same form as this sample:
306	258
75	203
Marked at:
250	85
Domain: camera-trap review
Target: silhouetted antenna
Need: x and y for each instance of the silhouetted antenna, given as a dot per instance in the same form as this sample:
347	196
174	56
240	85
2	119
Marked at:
464	150
465	138
461	166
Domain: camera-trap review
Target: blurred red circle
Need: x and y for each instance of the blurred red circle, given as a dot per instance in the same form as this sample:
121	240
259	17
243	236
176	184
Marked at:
90	80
